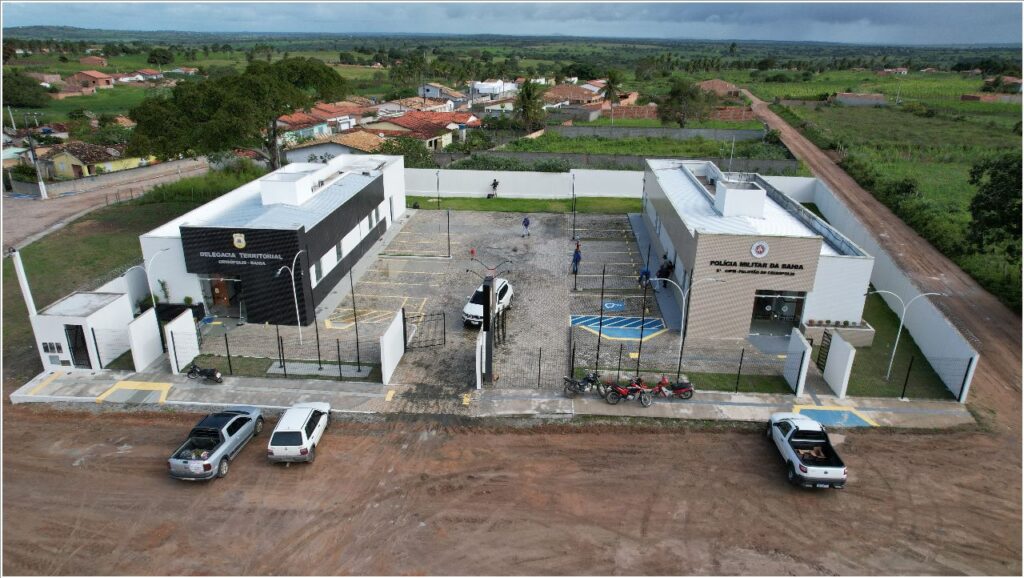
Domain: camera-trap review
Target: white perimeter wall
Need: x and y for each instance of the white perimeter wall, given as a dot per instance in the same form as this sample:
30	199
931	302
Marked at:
481	359
525	184
800	189
144	335
840	283
170	266
111	326
838	365
945	347
798	358
392	347
184	346
133	283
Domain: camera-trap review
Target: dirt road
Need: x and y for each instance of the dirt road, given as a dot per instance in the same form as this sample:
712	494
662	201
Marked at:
423	497
997	381
25	219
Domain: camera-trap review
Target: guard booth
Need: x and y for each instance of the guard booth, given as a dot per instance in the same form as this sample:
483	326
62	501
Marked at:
85	330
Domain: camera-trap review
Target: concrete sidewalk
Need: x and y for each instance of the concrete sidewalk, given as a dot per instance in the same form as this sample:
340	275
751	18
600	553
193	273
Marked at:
166	390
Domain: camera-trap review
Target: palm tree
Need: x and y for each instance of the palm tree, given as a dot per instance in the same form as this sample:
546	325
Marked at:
612	87
529	106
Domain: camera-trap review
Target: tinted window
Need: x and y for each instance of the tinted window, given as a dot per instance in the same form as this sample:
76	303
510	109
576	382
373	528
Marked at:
237	425
478	298
286	438
784	427
504	290
311	424
809	435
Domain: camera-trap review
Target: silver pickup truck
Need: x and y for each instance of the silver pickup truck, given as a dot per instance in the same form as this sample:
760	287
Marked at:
810	459
214	442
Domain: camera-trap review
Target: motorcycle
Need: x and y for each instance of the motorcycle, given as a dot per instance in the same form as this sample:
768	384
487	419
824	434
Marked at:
574	387
636	389
208	374
682	389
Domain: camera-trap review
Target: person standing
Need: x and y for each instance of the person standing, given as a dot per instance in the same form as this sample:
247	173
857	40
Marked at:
577	256
645	276
526	226
494	188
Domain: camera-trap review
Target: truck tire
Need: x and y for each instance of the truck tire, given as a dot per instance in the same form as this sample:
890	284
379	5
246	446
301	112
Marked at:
222	468
768	430
258	427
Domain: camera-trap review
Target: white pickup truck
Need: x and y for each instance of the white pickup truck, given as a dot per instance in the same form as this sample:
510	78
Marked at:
803	443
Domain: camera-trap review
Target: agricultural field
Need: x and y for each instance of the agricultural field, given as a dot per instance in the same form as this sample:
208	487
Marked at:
117	100
655	123
936	153
695	147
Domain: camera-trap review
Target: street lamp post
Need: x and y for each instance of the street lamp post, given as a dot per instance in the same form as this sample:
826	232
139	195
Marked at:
903	315
295	293
682	313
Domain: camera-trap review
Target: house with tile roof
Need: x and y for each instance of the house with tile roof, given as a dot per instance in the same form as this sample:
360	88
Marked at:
150	74
571	93
436	130
74	160
300	126
595	86
355	141
337	117
91	79
403	105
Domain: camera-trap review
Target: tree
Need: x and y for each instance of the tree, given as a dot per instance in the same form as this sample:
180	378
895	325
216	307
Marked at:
417	156
239	111
529	106
160	56
612	86
996	208
23	90
684	102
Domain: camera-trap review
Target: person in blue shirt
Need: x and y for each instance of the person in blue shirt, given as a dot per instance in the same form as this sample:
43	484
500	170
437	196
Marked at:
526	226
645	276
577	256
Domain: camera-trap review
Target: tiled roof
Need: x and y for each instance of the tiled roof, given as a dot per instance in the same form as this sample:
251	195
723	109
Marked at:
598	83
148	71
94	74
359	139
326	111
357	100
86	152
419	124
419	102
717	86
298	120
448	90
572	93
441	119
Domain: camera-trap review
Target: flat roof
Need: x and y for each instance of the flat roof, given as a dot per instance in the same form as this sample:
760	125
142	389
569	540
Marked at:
695	206
243	207
81	304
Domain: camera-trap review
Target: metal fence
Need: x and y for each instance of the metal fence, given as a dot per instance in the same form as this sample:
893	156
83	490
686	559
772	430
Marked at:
912	377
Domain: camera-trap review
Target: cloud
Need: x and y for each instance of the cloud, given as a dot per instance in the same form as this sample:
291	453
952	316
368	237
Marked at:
905	23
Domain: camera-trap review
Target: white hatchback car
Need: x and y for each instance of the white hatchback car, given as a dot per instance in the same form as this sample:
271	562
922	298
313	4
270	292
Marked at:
298	432
473	312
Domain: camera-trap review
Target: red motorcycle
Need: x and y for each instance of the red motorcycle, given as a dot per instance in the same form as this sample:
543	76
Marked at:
682	389
636	389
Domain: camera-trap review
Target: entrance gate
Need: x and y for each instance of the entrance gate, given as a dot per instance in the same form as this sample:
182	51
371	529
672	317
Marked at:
423	329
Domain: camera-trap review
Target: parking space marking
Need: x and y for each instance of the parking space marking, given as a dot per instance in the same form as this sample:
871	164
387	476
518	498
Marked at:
163	388
45	382
835	415
391	283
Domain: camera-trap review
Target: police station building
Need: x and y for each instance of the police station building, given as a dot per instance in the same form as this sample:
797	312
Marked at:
778	263
321	217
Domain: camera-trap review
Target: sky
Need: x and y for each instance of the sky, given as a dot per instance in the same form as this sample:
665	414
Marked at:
859	23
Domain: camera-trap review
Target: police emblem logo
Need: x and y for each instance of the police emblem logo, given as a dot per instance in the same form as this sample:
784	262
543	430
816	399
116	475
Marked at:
239	240
759	249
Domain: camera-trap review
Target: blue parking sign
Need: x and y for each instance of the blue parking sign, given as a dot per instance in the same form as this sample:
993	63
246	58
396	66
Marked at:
611	305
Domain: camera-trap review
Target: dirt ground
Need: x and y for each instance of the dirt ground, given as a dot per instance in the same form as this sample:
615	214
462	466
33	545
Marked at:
428	497
23	219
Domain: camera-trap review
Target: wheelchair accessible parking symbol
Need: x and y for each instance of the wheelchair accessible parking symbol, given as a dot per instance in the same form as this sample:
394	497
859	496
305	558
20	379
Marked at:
620	328
612	306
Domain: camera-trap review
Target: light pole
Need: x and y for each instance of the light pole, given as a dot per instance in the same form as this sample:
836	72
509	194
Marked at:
145	269
903	315
295	293
682	313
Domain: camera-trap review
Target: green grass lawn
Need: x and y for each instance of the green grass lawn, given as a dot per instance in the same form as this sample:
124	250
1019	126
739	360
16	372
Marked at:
607	205
870	364
695	147
655	123
117	100
258	366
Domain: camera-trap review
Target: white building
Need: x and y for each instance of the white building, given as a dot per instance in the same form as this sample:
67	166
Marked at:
324	217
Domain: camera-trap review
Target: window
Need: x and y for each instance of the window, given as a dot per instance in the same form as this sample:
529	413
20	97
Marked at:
502	292
237	425
376	215
784	427
52	347
314	418
338	252
318	270
286	438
